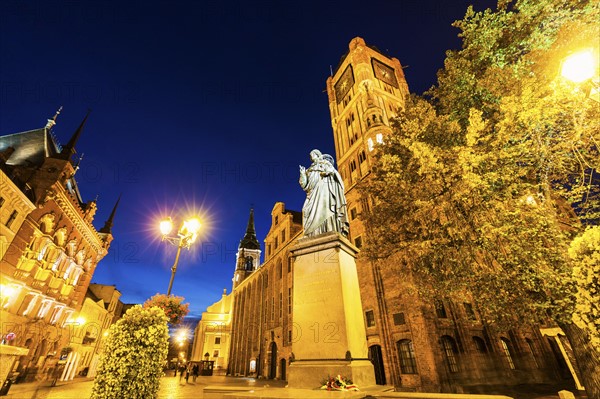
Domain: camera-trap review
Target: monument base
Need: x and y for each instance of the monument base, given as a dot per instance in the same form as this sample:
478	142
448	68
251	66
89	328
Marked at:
328	318
313	373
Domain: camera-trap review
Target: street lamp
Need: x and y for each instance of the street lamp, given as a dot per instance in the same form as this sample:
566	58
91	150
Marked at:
581	67
187	234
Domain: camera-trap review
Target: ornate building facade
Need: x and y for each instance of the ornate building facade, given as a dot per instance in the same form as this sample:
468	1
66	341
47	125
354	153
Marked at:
414	344
50	247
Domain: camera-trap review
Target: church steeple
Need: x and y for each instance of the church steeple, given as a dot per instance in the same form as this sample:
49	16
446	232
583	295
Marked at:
109	223
69	149
250	241
248	255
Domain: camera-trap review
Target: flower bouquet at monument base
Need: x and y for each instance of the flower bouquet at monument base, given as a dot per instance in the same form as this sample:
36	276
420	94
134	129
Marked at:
338	383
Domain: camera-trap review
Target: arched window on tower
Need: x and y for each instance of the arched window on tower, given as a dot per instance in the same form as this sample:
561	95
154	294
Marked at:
249	263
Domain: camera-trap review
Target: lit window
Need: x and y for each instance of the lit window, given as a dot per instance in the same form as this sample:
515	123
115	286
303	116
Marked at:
42	252
379	138
78	274
506	347
370	144
44	308
408	363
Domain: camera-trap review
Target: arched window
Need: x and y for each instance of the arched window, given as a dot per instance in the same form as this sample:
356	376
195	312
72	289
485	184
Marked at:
506	347
480	344
532	350
451	352
408	363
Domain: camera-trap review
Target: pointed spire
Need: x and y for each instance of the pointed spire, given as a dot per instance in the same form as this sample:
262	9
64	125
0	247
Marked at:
250	241
109	223
69	148
52	122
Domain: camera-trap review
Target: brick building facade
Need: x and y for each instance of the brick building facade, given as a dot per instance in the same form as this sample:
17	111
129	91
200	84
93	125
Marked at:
48	259
414	344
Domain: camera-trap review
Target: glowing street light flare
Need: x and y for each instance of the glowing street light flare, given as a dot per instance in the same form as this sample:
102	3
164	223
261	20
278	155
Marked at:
580	66
166	225
186	236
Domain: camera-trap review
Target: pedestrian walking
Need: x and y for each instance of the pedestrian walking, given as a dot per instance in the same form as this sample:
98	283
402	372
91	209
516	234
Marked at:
181	371
195	371
188	371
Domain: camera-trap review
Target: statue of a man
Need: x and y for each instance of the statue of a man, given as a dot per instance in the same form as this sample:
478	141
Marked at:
325	206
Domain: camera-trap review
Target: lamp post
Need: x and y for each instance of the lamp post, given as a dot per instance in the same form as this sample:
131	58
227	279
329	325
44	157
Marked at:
187	234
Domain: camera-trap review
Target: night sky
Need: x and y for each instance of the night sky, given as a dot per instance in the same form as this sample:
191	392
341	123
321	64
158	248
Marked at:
198	107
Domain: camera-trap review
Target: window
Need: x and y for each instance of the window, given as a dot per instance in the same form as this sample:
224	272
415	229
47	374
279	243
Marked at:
280	270
507	352
289	336
282	236
289	265
352	213
358	242
362	157
469	311
532	350
408	364
480	344
370	144
217	340
276	242
289	301
379	138
352	166
276	219
216	354
1	201
280	304
399	319
364	202
272	308
12	218
450	350
440	310
370	318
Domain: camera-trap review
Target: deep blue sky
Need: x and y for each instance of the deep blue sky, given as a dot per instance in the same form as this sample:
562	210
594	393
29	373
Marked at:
201	107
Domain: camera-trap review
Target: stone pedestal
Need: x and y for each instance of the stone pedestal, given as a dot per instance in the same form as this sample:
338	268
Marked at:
329	330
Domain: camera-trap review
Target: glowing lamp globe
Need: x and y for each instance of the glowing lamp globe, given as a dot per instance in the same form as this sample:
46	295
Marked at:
166	226
580	66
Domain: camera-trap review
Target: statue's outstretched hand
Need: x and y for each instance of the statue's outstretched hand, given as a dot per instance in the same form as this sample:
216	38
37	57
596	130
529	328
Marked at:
302	169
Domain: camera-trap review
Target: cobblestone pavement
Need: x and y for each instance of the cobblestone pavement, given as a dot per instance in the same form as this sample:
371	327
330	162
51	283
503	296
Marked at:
170	388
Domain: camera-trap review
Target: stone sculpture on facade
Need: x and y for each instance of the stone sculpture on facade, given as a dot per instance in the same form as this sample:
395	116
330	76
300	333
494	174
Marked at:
324	209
